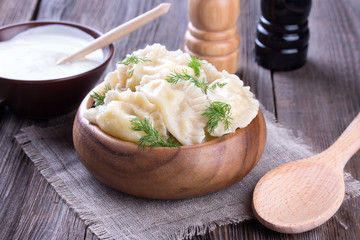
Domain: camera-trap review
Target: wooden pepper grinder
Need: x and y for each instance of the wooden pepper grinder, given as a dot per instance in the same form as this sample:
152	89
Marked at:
212	32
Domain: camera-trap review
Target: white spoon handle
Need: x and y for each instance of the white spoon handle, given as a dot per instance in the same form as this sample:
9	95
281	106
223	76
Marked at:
347	144
119	32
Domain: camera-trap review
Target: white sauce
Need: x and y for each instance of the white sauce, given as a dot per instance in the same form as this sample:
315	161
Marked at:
32	54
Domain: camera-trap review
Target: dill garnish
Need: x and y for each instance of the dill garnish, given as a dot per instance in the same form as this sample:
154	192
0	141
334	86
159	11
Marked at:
220	85
175	77
100	97
195	64
152	137
218	112
132	59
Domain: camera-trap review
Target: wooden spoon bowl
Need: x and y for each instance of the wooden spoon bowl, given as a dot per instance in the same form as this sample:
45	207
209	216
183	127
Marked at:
301	195
168	173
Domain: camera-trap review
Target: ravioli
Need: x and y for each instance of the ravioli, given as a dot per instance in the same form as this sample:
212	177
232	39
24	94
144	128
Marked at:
175	107
244	107
181	109
120	108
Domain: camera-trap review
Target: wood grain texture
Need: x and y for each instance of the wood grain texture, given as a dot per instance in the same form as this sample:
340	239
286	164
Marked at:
15	172
14	167
163	172
301	195
324	93
326	90
319	100
13	11
258	78
213	15
43	206
212	48
212	22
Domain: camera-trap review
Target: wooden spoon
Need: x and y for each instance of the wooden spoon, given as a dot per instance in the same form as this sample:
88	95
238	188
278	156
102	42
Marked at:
301	195
119	32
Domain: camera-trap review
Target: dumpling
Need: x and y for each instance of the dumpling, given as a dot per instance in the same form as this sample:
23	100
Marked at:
115	117
244	107
115	120
121	75
115	79
209	72
140	88
181	107
159	64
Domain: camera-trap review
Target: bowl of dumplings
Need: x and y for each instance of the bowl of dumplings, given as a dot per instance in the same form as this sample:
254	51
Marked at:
166	125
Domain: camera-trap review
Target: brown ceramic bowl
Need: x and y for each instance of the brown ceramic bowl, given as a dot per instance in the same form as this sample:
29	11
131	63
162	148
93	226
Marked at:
168	173
48	98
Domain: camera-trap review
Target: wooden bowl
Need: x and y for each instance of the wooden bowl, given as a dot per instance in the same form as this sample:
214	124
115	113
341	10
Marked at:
168	173
41	99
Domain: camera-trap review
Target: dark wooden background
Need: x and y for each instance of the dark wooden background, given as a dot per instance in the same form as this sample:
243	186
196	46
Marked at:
317	102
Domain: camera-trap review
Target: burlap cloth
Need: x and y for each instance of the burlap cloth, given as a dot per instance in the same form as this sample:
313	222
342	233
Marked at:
113	215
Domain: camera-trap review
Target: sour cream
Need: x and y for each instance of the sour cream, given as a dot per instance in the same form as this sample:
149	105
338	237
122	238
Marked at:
33	54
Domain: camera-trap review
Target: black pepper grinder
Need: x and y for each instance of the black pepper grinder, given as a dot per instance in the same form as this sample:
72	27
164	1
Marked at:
282	34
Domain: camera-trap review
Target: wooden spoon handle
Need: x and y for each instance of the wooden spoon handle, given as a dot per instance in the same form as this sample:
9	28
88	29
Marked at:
119	32
347	144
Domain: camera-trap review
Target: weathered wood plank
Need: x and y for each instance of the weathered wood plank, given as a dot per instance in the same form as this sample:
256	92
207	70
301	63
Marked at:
318	105
44	215
33	210
324	94
13	11
319	100
258	78
63	222
19	180
14	172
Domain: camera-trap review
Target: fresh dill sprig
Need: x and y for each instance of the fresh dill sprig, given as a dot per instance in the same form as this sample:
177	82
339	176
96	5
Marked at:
175	77
220	85
218	112
195	64
131	72
132	59
152	137
100	97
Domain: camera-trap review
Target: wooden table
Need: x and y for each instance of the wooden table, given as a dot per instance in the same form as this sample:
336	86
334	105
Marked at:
316	102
